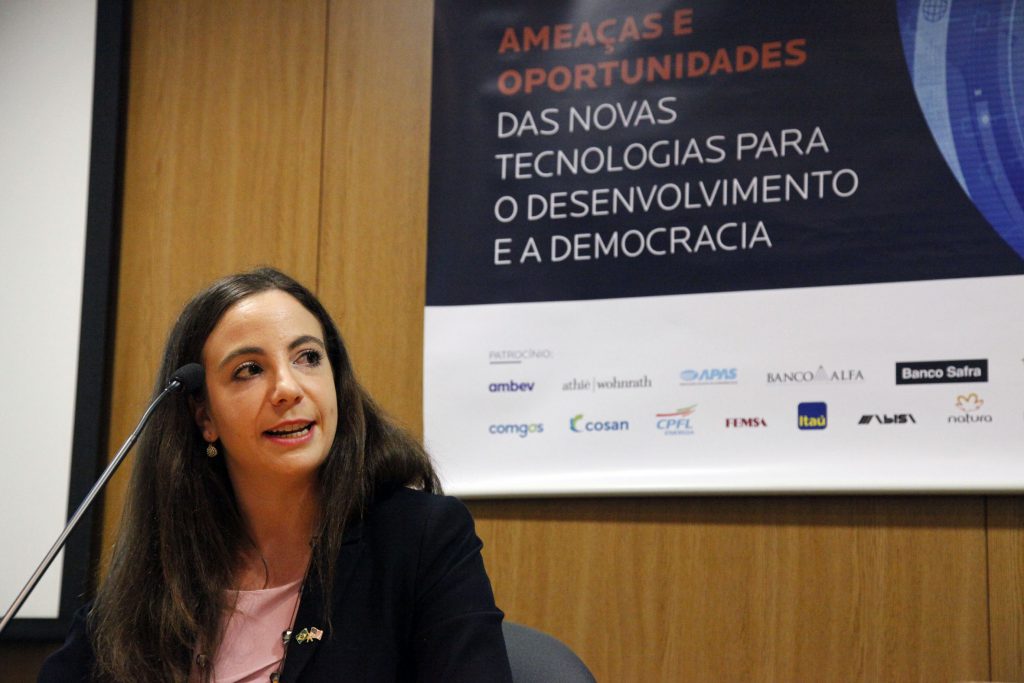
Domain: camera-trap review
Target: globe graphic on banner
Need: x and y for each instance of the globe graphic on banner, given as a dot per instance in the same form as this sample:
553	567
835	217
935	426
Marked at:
966	60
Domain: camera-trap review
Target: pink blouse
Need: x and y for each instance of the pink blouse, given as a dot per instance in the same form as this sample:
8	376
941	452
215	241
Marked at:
251	648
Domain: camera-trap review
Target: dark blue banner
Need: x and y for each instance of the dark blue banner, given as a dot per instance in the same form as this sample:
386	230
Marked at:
590	150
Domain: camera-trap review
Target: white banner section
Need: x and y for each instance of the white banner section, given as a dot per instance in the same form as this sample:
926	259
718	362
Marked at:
915	387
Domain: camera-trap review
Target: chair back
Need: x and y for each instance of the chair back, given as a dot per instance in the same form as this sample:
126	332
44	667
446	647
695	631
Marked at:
536	657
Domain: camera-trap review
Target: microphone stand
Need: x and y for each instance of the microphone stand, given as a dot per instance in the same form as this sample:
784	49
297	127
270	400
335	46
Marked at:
176	383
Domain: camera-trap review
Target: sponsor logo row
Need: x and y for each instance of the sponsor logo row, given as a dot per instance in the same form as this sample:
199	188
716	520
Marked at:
810	416
911	372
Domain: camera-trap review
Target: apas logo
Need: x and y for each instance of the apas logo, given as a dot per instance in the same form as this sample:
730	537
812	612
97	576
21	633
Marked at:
690	377
812	415
969	406
579	425
676	423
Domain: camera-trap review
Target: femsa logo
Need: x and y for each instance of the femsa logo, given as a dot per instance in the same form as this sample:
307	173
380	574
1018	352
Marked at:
579	425
708	376
677	422
520	430
812	415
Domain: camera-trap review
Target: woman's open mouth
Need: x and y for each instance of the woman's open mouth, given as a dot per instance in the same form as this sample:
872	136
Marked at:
295	431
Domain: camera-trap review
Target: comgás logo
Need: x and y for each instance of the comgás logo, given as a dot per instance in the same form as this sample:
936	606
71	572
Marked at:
969	406
812	415
579	425
690	377
819	376
510	386
521	430
677	422
942	371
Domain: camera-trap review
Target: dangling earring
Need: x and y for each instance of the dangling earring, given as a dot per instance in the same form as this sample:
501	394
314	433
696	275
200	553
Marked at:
211	450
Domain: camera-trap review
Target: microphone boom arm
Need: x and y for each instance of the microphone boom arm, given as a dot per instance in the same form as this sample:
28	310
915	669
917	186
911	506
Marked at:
175	384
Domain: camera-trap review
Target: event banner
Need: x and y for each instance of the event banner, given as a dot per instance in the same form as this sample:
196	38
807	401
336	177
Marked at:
724	246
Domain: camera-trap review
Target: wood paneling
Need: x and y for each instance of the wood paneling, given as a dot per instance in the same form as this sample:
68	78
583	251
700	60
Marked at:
1006	586
222	168
236	108
373	250
751	589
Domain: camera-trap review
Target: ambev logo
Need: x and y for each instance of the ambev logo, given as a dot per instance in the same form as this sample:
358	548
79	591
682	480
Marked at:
812	415
511	386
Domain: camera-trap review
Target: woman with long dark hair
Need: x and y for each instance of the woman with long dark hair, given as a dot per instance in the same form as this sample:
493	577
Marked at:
278	526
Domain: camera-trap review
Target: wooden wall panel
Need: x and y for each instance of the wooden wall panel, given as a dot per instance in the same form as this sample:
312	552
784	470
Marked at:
222	168
1006	586
236	108
376	135
751	589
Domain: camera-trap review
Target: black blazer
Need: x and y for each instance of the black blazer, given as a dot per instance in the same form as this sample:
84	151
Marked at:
411	602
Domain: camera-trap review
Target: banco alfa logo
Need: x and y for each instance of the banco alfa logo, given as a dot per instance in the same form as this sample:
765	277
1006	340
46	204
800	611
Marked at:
510	387
522	430
942	371
812	415
578	424
820	376
517	356
895	419
677	422
969	406
692	376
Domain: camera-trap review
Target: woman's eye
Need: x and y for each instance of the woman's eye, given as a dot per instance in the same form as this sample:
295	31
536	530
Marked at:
310	357
247	370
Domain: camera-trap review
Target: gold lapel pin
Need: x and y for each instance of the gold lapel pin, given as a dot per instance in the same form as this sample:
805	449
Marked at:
308	635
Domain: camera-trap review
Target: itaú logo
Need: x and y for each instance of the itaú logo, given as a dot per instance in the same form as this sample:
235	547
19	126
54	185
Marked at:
579	425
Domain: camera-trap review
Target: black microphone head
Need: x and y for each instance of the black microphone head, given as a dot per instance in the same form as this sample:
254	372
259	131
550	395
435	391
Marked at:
189	377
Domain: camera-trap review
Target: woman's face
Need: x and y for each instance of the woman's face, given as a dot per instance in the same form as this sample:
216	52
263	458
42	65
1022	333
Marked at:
270	395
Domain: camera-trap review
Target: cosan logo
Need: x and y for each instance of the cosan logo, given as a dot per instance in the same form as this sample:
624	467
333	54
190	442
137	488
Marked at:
511	386
579	425
813	415
739	422
521	430
677	422
819	376
969	406
690	377
897	419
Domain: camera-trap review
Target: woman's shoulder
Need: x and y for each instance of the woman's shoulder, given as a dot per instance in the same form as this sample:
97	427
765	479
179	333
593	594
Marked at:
413	509
416	517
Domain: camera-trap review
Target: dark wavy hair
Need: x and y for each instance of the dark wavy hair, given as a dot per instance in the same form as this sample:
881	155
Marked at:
181	532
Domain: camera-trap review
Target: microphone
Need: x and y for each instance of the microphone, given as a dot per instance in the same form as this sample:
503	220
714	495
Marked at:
188	378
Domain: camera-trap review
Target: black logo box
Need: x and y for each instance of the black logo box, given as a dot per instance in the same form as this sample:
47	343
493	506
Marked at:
942	371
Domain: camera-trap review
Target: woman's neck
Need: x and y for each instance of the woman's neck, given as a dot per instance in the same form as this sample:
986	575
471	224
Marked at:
281	522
